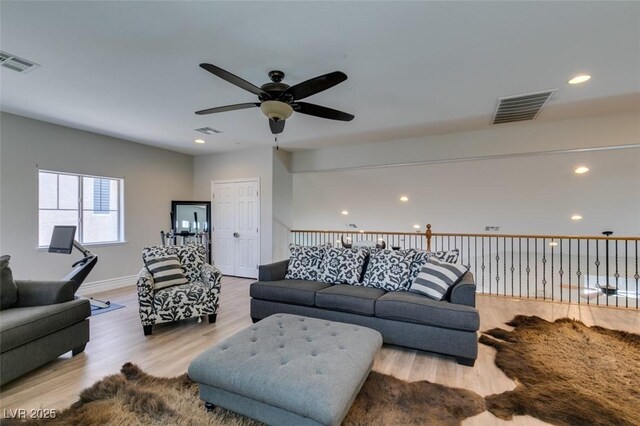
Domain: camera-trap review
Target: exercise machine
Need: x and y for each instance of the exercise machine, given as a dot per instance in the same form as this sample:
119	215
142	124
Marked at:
63	242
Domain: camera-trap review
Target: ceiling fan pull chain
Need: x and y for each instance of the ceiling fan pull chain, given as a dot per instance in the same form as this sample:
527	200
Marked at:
277	149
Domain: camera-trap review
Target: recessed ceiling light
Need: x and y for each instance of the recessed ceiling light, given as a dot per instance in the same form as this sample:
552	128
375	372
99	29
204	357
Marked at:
416	226
579	79
582	169
576	217
199	141
344	212
404	198
553	244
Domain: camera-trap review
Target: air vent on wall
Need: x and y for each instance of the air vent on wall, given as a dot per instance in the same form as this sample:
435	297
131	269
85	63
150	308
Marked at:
208	130
521	107
16	63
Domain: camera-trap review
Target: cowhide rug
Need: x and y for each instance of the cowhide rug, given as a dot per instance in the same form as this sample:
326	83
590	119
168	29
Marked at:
136	398
567	373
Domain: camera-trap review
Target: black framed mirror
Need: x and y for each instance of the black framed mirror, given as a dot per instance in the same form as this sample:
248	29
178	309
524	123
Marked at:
192	217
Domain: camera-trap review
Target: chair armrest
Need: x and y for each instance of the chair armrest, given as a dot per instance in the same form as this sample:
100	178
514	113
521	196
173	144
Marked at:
464	292
144	286
211	276
39	293
273	271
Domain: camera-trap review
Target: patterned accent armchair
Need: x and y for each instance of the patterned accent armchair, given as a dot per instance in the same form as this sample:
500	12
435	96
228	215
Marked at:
196	298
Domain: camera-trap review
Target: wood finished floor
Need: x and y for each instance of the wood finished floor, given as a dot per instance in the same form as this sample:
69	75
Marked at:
116	337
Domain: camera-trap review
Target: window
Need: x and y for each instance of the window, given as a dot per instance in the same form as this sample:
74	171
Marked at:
93	204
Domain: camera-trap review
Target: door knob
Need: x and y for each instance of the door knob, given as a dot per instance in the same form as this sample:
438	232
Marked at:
235	234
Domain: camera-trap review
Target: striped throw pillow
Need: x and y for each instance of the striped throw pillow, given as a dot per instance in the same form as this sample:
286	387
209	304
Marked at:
436	277
166	271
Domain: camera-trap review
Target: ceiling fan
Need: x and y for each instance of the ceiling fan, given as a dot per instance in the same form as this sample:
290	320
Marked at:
278	100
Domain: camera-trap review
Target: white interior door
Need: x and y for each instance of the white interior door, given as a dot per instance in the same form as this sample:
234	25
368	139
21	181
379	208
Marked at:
236	227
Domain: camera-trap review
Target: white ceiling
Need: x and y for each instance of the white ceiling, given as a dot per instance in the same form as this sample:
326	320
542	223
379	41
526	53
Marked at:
130	69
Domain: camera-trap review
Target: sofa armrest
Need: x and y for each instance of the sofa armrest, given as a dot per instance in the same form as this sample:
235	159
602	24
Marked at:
273	271
40	293
464	292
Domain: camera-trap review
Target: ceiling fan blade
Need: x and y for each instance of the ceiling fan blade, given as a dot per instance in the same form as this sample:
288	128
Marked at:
228	108
233	79
276	126
320	111
315	85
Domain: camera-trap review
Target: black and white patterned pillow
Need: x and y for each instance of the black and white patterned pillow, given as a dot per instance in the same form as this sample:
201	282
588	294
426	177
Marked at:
389	269
421	258
166	271
305	262
436	277
342	266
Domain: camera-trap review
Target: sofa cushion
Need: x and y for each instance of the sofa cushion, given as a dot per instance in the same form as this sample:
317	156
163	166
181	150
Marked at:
436	278
8	287
342	265
389	269
421	257
349	298
298	292
416	308
305	262
195	293
23	325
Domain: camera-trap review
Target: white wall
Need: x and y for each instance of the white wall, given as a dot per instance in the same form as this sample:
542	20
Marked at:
282	204
152	178
506	139
236	165
525	194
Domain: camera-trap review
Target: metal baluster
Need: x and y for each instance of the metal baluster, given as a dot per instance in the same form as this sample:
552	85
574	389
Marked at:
504	265
490	279
552	271
617	275
544	269
512	267
519	266
598	270
579	274
626	273
475	255
497	265
588	277
637	276
482	267
569	261
535	253
560	271
469	251
528	269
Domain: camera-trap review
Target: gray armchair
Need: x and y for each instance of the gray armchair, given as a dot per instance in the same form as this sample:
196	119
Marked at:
42	322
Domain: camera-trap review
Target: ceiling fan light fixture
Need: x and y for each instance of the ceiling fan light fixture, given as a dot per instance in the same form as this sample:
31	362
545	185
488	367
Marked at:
276	110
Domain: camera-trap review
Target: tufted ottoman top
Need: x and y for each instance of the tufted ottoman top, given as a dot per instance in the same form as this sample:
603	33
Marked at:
307	366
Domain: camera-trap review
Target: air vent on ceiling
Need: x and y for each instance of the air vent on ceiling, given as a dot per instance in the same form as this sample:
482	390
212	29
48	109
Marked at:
208	130
16	63
521	107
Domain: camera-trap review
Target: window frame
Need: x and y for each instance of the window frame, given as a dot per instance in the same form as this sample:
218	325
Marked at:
81	207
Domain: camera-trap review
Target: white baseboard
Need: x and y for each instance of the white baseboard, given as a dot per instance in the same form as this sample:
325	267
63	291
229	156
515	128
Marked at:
110	284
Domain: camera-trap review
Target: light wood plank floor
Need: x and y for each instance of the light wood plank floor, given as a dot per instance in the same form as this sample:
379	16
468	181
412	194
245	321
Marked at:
116	337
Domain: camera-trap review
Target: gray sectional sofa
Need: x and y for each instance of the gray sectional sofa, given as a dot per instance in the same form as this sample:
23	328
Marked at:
403	318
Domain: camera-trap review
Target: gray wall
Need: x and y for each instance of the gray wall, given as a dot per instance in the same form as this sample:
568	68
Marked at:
240	165
282	204
152	178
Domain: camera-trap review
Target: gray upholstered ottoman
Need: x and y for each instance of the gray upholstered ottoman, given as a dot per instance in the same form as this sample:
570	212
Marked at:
288	370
